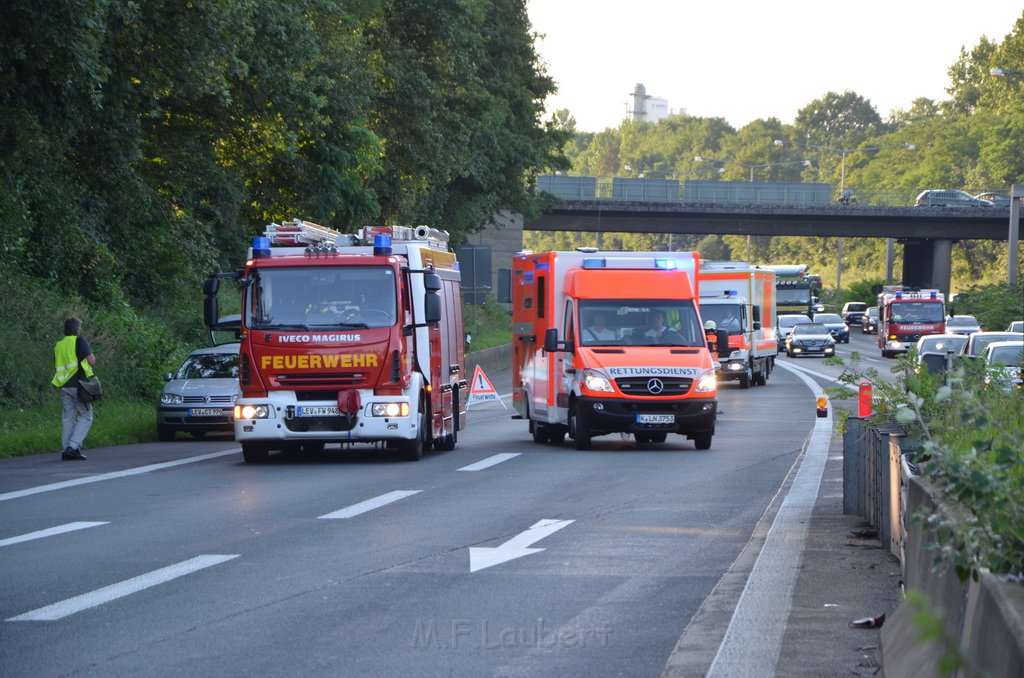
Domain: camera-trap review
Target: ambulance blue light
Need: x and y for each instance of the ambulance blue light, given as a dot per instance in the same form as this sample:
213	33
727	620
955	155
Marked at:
381	245
731	293
594	262
260	247
667	264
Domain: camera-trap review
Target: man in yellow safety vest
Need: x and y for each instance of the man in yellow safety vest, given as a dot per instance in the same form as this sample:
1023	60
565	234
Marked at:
73	357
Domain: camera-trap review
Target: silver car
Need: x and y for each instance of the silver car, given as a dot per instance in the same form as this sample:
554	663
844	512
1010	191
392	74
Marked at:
200	396
962	324
1007	358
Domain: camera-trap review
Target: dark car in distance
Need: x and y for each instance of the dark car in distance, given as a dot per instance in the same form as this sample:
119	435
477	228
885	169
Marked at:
836	326
853	312
869	324
810	339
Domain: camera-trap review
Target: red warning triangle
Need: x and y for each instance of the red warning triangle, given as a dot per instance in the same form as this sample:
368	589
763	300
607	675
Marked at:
481	384
481	389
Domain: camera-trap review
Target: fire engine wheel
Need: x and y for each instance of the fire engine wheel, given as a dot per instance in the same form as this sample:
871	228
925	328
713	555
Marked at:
702	441
580	434
412	450
255	453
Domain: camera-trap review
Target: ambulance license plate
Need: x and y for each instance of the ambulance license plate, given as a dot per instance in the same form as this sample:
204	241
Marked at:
655	418
205	412
318	411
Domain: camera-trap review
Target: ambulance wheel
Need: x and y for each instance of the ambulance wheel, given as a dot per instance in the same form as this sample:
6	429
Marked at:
556	434
761	378
746	378
412	450
580	434
539	431
255	453
702	441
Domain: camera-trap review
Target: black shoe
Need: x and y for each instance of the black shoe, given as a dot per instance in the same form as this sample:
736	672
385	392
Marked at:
73	454
66	454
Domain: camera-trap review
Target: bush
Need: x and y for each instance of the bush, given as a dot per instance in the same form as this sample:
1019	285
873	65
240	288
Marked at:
970	430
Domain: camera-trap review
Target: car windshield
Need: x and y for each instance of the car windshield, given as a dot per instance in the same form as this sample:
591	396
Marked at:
639	322
943	344
1006	355
209	366
319	297
856	307
962	321
809	328
981	341
827	318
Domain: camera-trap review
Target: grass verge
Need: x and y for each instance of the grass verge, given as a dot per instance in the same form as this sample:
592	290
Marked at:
37	431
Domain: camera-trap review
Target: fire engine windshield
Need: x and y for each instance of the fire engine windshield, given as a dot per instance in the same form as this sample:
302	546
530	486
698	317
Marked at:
639	322
917	312
344	297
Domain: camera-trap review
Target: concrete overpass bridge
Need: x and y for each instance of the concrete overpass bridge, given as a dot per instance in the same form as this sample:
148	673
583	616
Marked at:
926	233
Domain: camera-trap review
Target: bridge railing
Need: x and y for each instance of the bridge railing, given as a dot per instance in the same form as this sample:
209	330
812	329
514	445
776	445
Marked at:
695	191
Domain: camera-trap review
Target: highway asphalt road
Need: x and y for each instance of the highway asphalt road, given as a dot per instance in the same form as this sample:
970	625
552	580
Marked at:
502	557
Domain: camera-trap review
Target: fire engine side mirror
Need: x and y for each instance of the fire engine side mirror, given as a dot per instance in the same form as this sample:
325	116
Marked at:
431	298
210	310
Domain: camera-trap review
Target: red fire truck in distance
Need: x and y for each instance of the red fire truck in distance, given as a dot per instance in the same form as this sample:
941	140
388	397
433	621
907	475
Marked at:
905	315
611	342
344	341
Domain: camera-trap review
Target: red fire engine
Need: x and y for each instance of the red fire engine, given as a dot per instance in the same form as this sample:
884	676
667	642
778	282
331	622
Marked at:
344	341
905	315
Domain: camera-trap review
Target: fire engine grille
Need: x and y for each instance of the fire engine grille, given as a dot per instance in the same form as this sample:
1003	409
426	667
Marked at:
320	424
654	386
335	382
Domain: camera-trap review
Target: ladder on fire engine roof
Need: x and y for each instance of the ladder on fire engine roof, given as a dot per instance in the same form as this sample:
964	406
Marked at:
299	232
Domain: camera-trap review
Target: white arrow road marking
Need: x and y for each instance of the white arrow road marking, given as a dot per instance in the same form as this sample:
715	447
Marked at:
490	461
369	504
49	532
108	593
518	546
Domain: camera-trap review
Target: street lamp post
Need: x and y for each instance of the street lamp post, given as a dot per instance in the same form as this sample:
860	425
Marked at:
1016	194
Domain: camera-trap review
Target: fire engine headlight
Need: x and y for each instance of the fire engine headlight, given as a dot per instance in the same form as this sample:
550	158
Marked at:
707	383
171	399
597	382
389	409
251	411
895	344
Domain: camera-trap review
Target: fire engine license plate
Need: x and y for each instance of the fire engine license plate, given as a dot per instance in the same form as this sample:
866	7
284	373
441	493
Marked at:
205	412
655	418
318	411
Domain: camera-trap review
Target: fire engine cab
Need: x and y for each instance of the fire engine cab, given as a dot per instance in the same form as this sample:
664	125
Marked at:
611	342
905	315
348	339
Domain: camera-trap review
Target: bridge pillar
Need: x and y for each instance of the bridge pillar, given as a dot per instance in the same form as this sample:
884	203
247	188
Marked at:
928	263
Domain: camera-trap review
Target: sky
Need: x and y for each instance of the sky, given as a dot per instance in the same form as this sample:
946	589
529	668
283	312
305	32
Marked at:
749	59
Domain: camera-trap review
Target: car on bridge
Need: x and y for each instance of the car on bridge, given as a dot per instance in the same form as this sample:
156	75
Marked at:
949	198
997	199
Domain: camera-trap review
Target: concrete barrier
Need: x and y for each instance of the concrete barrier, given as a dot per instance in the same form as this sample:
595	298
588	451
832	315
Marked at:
493	359
982	619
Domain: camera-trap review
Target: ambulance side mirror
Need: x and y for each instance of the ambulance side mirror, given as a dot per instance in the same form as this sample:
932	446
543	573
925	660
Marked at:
757	325
551	343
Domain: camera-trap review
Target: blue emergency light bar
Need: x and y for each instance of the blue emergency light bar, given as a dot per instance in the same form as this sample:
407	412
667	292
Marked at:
667	264
260	247
381	245
594	262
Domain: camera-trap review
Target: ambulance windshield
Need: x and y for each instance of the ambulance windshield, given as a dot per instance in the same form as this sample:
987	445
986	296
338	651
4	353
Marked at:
639	322
349	297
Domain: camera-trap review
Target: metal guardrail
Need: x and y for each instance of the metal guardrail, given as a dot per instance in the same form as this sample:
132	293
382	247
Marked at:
692	191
